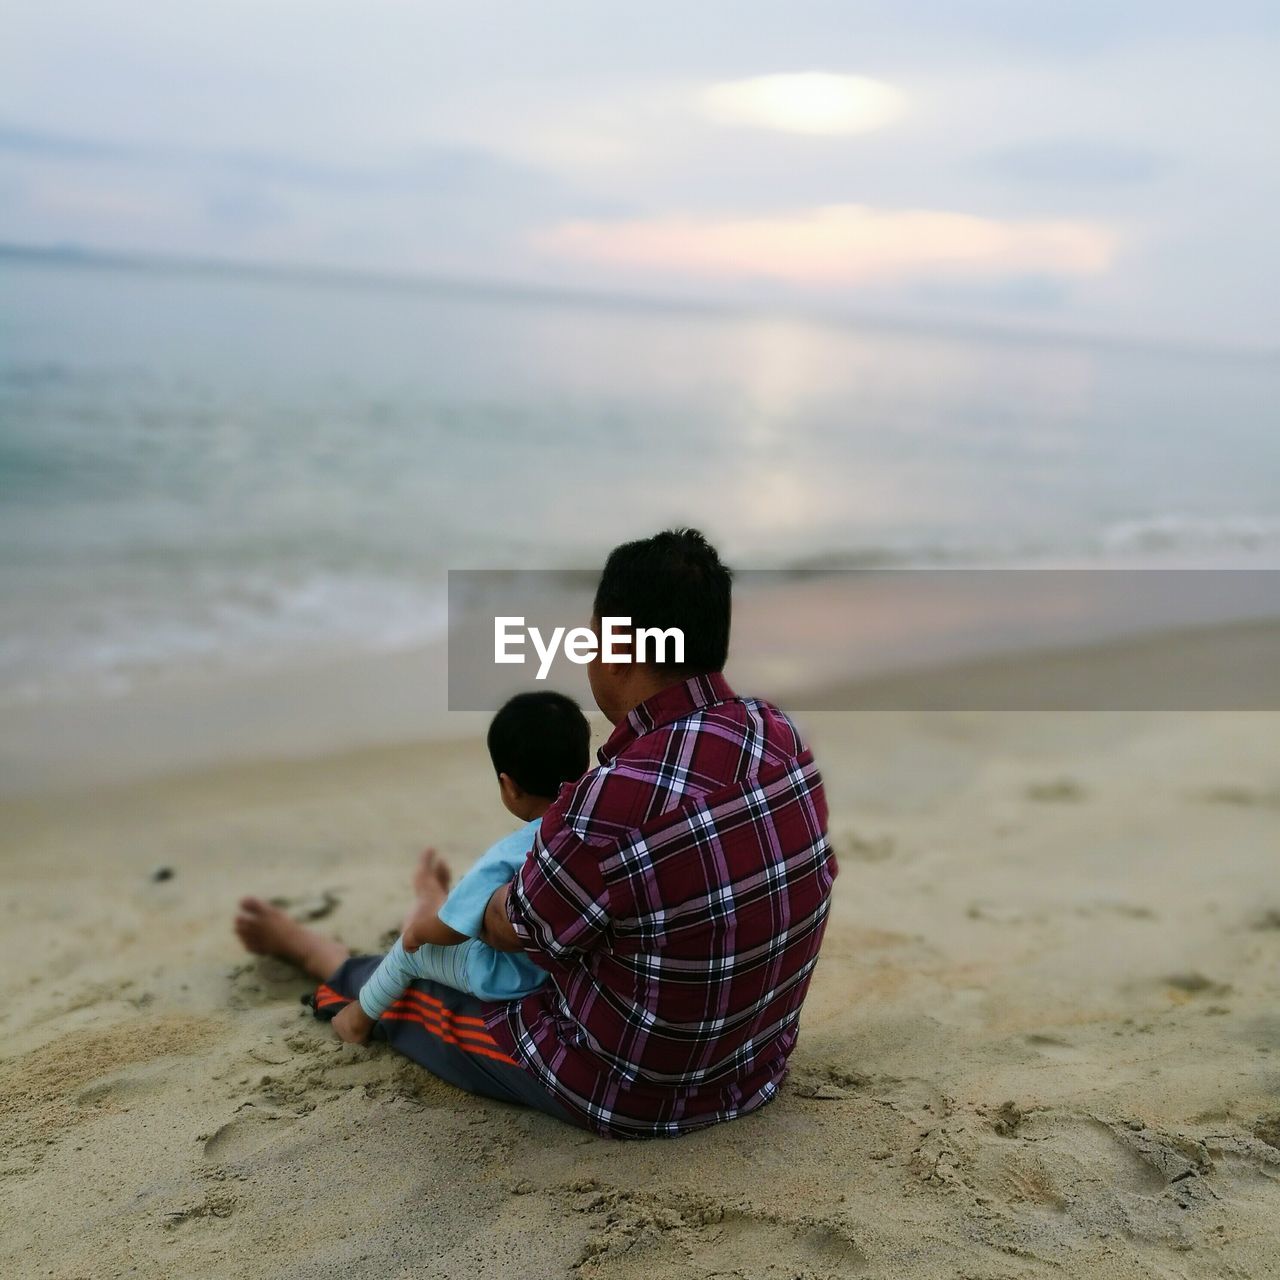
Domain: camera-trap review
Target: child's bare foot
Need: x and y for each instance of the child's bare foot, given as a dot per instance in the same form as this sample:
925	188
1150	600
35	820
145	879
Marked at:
267	931
432	877
431	880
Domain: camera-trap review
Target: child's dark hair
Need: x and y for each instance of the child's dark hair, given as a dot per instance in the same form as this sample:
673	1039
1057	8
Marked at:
541	741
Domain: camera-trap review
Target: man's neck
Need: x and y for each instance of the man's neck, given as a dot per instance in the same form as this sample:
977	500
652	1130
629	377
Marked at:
648	684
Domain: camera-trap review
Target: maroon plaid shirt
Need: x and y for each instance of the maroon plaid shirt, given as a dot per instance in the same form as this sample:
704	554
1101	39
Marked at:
677	895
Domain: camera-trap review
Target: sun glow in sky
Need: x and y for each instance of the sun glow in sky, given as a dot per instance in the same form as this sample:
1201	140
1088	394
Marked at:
842	244
815	102
1019	164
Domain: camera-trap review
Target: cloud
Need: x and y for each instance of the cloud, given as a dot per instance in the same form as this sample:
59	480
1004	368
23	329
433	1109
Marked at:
814	102
839	245
1076	162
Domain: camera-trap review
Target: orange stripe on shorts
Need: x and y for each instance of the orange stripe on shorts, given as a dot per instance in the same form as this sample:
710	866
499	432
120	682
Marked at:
395	1015
461	1023
432	1002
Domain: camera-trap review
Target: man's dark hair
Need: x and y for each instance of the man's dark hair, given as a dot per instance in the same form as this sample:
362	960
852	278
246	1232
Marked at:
674	579
541	741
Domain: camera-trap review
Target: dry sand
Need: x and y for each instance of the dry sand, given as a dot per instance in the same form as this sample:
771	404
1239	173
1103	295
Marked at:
1043	1040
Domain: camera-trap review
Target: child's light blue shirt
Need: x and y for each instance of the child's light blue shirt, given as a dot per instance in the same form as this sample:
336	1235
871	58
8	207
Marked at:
472	966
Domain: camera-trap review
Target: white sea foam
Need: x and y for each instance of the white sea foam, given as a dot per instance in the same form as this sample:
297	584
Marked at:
255	622
1184	532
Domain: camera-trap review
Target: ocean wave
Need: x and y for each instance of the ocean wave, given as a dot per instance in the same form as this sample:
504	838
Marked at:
114	640
1162	540
108	633
1176	532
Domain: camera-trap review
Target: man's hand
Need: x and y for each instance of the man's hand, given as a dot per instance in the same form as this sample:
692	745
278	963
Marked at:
498	932
352	1024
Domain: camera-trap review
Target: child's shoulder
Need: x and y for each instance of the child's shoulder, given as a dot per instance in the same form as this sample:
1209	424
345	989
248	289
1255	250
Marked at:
464	908
513	846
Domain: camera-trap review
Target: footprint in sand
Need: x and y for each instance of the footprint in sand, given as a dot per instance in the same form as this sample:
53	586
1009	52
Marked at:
740	1242
1001	913
56	1086
313	908
643	1236
1267	1129
1242	797
1186	985
865	848
1121	1157
216	1204
1106	1176
1175	1157
1125	910
1052	1046
248	1132
826	1083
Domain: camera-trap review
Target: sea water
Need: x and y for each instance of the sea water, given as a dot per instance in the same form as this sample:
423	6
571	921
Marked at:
205	470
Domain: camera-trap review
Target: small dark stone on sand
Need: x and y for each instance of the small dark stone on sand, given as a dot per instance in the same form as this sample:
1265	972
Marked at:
161	874
1056	791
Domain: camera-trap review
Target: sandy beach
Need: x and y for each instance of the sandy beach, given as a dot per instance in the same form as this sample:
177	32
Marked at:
1043	1038
364	367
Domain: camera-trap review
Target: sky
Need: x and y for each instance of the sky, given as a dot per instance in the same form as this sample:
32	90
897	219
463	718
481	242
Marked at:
1080	166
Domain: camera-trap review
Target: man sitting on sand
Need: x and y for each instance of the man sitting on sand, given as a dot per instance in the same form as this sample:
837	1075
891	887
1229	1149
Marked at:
676	895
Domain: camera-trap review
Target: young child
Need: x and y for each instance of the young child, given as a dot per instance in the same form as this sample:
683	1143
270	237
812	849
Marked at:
537	742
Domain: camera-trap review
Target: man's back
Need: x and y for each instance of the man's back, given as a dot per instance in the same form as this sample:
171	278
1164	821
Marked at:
678	896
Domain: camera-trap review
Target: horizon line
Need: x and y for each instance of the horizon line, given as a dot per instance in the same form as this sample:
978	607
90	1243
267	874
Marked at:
535	292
